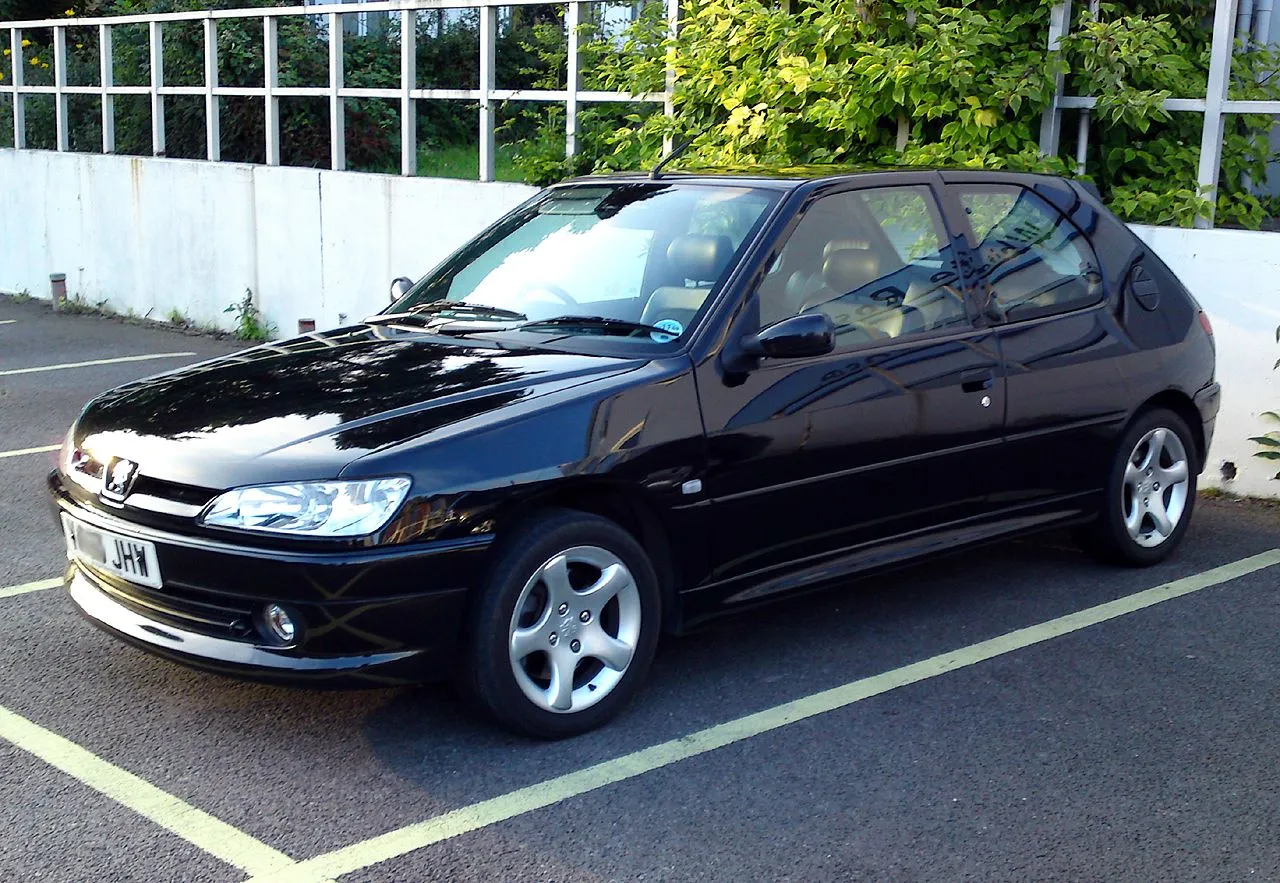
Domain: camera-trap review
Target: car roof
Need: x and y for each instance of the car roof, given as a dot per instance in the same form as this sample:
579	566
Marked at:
790	177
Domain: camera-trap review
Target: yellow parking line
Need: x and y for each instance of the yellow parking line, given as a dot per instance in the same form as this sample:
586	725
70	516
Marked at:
38	586
195	826
66	365
543	794
20	451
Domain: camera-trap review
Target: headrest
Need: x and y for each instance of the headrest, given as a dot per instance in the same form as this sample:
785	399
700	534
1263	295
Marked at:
700	256
848	269
842	244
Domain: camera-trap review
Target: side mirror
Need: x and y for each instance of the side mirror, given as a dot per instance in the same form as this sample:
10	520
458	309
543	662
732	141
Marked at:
809	334
400	287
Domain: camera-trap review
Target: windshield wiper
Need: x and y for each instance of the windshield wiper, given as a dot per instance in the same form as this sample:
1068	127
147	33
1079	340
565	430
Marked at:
464	309
396	319
601	323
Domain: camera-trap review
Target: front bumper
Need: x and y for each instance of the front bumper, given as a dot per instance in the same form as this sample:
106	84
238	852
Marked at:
228	656
382	615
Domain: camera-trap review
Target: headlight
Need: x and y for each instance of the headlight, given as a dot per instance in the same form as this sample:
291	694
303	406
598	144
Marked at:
311	508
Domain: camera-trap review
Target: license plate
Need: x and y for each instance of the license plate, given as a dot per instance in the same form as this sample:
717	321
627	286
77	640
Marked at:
135	560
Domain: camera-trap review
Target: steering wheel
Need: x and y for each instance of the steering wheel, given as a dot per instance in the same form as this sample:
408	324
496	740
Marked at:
549	288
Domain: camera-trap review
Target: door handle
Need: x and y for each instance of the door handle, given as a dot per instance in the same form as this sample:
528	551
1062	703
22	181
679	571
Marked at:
977	381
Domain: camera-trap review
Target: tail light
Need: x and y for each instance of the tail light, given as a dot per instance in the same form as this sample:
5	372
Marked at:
1205	324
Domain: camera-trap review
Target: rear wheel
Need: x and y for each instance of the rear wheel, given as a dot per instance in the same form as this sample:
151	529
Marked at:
566	628
1150	491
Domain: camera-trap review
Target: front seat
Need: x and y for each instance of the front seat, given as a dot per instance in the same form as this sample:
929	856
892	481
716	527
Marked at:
698	258
846	270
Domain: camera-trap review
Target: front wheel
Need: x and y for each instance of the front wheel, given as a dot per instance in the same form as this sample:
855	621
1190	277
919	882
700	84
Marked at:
566	627
1150	491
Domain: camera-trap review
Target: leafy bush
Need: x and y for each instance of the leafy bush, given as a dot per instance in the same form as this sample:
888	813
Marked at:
1270	443
958	82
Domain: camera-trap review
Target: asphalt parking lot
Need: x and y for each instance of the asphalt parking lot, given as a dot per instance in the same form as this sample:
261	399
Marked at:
1017	712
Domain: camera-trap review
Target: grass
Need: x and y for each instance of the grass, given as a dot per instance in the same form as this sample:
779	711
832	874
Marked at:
75	304
463	161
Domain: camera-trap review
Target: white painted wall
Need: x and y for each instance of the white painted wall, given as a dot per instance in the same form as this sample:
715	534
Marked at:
1235	274
151	235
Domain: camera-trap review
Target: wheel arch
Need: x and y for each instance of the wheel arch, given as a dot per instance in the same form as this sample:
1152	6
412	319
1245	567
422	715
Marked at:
626	508
1181	404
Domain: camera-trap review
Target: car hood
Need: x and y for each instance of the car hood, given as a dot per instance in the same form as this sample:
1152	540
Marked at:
305	408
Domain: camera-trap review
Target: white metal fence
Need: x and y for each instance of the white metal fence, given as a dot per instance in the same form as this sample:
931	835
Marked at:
407	93
1214	104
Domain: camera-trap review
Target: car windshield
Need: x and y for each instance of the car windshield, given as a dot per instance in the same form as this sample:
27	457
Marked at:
635	260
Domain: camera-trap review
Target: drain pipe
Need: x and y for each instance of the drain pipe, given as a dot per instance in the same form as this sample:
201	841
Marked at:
1262	20
1244	20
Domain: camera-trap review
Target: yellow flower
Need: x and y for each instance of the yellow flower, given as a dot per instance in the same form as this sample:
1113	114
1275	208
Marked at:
45	65
69	12
1	75
79	45
7	52
26	43
35	60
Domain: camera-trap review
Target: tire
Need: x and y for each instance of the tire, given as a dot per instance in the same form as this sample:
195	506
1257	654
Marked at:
562	635
1150	492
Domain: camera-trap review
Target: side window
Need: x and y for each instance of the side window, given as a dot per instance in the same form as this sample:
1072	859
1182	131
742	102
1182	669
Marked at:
1032	261
876	261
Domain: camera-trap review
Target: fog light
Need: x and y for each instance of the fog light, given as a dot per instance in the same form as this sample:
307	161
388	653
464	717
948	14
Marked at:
279	624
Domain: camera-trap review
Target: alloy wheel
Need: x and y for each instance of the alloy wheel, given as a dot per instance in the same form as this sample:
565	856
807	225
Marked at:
574	629
1155	487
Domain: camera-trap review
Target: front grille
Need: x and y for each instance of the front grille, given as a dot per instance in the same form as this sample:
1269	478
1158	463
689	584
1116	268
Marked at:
193	610
186	494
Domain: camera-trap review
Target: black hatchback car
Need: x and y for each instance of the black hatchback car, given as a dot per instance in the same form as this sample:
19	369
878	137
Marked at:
634	403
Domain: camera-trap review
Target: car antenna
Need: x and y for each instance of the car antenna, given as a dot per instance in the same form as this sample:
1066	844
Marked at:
679	150
676	152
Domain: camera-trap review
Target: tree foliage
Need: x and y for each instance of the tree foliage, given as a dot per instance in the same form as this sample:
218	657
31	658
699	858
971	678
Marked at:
948	82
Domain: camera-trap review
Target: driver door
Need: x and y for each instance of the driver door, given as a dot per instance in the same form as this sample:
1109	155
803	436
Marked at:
814	458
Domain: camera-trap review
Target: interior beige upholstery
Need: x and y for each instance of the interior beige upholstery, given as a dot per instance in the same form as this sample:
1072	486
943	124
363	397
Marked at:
937	306
671	302
848	269
697	258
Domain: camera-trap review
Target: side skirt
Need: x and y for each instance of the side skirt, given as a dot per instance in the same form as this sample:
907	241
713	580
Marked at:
713	600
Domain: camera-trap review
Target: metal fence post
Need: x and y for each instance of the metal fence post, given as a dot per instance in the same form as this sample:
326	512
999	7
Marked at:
107	79
488	82
408	82
337	107
19	105
1051	122
669	92
212	118
59	85
1211	136
573	79
1082	129
271	81
157	81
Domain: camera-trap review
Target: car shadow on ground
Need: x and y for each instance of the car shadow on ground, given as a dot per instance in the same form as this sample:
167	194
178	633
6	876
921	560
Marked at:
755	659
